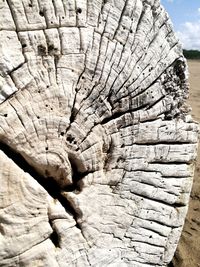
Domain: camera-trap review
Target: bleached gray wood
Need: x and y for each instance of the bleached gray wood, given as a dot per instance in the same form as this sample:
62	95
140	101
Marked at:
97	147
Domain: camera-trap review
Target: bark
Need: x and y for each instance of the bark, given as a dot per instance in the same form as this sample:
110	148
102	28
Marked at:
96	145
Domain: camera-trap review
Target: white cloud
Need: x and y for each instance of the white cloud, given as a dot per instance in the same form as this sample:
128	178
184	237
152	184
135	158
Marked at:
170	1
199	10
189	35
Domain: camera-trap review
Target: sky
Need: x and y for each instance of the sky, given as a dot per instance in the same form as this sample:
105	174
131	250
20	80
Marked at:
185	15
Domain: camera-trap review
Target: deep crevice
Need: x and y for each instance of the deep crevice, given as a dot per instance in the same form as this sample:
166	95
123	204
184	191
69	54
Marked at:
16	68
54	236
49	184
170	264
163	162
77	176
119	114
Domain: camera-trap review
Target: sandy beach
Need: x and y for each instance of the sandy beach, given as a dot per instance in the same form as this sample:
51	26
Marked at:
188	252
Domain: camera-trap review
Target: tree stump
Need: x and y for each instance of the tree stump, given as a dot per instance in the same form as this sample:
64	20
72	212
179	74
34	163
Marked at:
96	145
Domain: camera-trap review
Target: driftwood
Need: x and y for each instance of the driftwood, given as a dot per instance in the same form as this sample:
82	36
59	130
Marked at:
96	144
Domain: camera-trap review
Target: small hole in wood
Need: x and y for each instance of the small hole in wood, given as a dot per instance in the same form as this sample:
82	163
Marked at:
39	91
46	106
83	77
119	159
5	115
63	17
38	117
51	108
30	5
41	13
62	133
79	10
50	47
131	31
70	139
24	45
47	86
46	148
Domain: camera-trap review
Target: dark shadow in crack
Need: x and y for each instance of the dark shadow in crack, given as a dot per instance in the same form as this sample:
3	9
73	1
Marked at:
170	264
48	183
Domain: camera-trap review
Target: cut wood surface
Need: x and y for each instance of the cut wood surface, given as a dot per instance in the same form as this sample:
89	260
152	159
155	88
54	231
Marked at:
97	147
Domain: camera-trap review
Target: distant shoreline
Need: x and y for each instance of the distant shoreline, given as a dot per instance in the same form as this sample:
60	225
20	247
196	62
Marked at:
193	59
191	54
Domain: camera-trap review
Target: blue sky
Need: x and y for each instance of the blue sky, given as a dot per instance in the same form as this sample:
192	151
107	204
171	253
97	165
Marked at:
185	15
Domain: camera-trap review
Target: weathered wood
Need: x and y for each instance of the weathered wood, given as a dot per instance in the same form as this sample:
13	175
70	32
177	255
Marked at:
97	147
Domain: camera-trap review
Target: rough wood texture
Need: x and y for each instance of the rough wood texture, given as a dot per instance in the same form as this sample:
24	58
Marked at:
97	148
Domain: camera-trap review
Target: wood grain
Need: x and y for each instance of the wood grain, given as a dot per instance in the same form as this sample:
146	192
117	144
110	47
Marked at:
97	147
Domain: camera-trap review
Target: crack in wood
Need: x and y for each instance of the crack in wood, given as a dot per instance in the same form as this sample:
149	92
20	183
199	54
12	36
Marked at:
50	185
131	71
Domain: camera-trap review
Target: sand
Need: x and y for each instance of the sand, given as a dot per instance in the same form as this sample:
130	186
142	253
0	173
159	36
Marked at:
188	251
